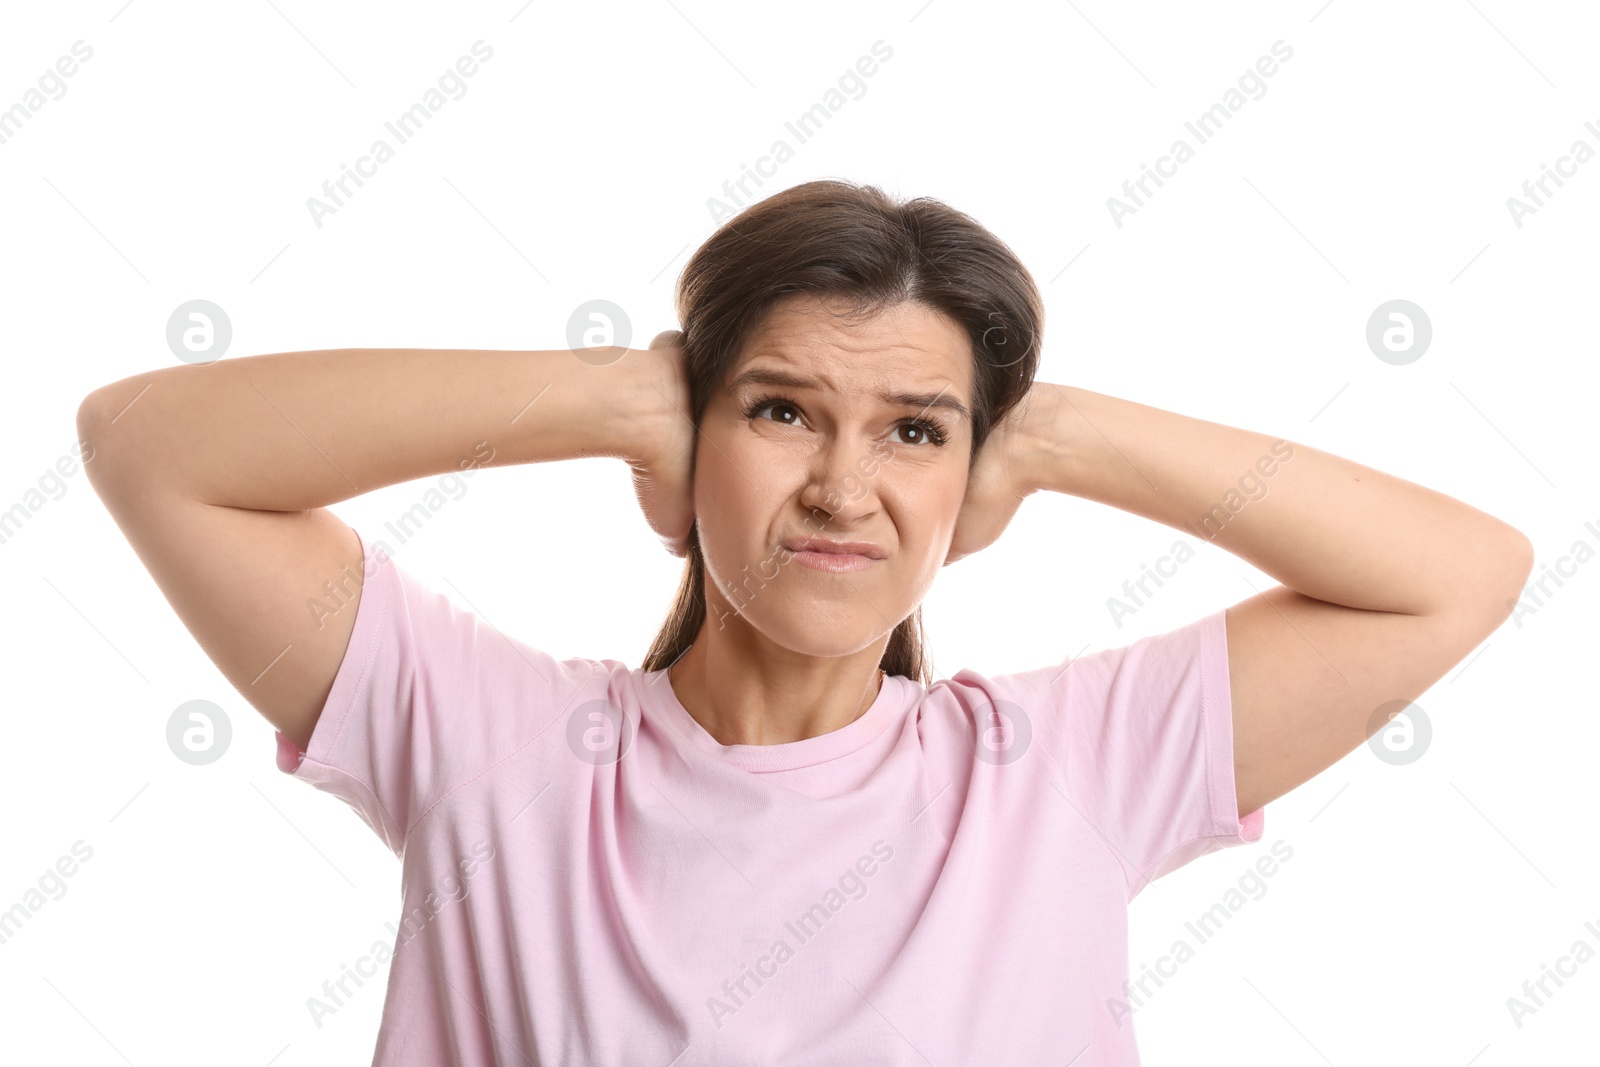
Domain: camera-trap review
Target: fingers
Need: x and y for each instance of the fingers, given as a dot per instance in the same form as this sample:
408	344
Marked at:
678	544
665	484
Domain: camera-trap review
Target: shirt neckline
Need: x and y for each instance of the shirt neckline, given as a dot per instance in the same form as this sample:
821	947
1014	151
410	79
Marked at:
660	696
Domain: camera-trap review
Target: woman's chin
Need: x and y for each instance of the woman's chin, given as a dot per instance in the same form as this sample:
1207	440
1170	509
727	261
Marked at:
822	639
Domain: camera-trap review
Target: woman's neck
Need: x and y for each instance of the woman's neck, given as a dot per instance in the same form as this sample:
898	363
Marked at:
751	692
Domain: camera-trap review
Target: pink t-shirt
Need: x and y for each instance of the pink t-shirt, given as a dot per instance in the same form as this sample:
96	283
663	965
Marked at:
590	878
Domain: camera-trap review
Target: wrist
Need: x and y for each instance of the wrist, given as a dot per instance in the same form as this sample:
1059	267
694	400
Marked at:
1042	450
653	403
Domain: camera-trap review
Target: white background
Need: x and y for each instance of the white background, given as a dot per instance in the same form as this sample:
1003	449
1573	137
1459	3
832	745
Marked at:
579	165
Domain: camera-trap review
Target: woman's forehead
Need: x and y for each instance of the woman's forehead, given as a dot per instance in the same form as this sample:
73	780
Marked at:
904	346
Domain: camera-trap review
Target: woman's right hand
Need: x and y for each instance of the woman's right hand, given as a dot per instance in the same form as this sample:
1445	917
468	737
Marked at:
663	464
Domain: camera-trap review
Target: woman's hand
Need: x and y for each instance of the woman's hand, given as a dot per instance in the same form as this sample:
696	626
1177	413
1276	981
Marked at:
663	464
1001	476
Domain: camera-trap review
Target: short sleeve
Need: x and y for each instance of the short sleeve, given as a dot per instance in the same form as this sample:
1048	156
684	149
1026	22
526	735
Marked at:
1144	736
427	695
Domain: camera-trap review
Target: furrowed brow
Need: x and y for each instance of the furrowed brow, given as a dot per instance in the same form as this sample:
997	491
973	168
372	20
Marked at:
924	401
772	376
921	401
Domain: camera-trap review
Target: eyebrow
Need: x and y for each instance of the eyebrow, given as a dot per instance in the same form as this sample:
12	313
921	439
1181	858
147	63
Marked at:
924	401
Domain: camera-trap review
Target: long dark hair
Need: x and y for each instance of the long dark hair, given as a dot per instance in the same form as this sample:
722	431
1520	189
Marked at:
851	243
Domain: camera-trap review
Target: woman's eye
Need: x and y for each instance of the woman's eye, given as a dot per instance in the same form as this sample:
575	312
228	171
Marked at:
915	432
924	434
776	408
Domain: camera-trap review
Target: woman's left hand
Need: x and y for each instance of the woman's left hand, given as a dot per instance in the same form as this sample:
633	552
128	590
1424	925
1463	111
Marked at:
1001	476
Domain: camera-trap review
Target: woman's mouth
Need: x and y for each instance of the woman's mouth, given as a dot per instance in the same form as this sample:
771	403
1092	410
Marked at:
824	554
834	562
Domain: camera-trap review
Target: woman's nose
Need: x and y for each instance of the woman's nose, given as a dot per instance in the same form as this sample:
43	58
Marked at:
835	479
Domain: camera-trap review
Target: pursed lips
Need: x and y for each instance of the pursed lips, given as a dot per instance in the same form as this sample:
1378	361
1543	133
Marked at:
827	546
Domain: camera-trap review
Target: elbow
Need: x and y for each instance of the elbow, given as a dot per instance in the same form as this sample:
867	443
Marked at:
89	415
1484	582
95	413
1509	565
1518	557
100	409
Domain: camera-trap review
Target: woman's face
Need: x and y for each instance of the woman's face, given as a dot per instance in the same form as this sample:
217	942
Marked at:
831	427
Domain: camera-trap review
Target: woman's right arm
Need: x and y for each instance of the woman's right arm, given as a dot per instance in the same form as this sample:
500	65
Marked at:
220	476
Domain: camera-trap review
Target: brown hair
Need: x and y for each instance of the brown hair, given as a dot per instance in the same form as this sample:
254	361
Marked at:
851	243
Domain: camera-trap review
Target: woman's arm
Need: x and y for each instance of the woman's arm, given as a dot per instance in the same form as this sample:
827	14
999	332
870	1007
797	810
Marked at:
300	430
1386	584
219	477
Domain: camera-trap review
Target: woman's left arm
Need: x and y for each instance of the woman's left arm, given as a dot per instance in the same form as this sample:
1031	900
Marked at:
1386	584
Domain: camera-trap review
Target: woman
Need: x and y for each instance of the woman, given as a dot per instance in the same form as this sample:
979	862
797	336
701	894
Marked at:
780	840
